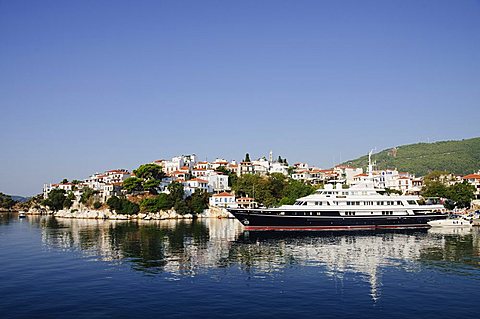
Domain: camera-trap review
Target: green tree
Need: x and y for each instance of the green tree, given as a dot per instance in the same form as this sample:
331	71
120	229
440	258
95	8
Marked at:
132	184
461	194
247	158
181	207
156	204
151	185
294	190
277	182
291	170
436	176
434	189
56	199
64	181
257	187
87	196
122	205
164	202
198	202
68	202
6	201
149	171
130	208
177	193
114	203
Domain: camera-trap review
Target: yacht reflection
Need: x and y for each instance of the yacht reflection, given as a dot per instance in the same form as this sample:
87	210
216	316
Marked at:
185	248
365	253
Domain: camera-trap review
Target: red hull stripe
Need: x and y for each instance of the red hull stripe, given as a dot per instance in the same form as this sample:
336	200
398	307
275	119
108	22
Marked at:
334	227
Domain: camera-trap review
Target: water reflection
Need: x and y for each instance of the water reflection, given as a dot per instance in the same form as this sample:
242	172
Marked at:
185	248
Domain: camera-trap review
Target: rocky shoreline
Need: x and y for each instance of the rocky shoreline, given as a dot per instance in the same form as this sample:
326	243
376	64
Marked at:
112	215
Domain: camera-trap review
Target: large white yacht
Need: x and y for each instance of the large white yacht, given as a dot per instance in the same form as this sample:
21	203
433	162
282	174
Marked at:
361	206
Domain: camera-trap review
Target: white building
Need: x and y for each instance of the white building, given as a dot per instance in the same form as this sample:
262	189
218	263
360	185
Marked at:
474	179
278	168
222	200
203	165
177	163
219	162
300	165
47	188
301	175
218	182
116	176
202	172
191	186
246	168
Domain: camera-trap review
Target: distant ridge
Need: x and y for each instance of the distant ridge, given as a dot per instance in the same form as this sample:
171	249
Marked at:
459	157
20	199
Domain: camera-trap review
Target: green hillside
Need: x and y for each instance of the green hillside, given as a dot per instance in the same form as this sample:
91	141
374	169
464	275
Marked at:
459	157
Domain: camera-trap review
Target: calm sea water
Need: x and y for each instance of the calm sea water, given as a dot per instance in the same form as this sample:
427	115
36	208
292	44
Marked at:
211	269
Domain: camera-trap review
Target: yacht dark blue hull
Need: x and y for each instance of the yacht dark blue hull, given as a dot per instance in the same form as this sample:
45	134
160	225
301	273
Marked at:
272	220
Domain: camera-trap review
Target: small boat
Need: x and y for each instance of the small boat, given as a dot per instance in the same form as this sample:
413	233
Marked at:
22	214
452	221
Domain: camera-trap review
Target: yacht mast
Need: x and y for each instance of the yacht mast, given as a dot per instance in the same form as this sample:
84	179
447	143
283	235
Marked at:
370	165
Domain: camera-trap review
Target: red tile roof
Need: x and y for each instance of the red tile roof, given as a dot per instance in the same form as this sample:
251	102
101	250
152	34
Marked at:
472	176
224	194
198	180
360	175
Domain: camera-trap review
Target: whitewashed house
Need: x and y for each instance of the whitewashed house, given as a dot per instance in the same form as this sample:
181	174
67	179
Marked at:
218	181
195	184
301	175
219	162
474	179
278	168
47	188
222	200
246	168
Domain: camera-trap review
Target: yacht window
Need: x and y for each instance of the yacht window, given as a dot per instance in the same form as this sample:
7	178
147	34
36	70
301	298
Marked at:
411	202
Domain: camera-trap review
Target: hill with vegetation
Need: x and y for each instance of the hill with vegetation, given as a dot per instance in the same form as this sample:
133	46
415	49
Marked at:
458	157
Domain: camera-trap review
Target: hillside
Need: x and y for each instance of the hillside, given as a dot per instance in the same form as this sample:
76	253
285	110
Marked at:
459	157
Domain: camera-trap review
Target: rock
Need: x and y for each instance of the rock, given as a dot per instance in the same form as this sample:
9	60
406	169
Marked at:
164	215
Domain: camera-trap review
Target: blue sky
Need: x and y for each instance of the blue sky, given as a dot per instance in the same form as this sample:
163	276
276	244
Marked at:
92	85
